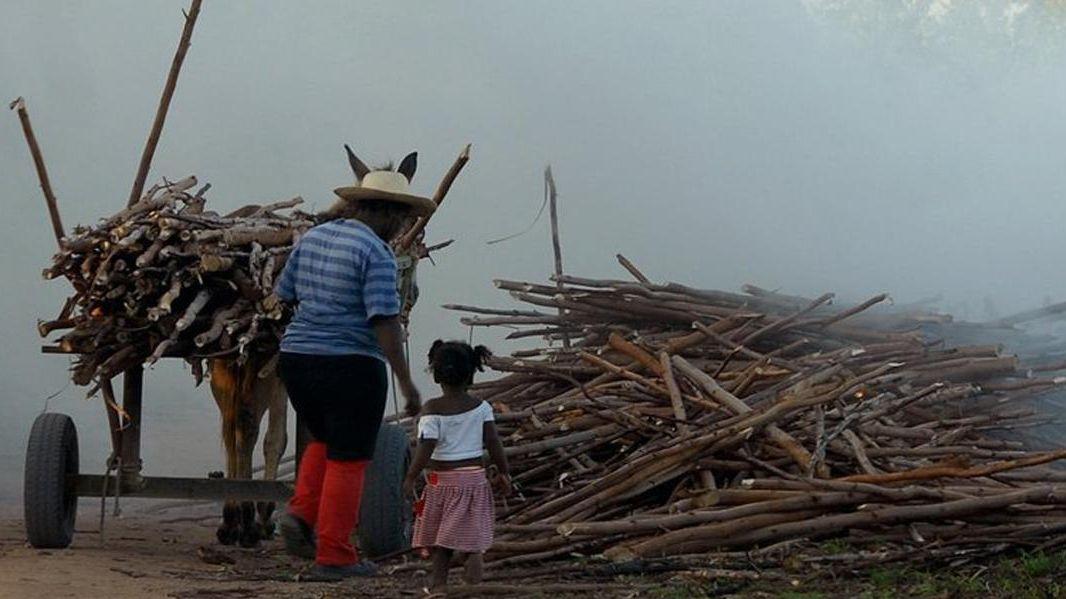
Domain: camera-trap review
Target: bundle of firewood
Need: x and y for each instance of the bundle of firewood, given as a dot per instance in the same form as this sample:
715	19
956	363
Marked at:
662	420
165	277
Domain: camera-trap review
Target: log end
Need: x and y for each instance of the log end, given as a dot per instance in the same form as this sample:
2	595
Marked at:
620	553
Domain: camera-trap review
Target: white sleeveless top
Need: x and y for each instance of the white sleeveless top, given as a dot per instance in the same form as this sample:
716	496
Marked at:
459	436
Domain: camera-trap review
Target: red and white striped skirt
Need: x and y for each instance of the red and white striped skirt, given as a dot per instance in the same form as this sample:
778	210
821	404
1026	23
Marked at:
456	511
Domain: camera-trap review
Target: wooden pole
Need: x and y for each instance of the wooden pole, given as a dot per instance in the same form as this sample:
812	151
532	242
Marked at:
130	453
19	106
411	236
549	188
164	103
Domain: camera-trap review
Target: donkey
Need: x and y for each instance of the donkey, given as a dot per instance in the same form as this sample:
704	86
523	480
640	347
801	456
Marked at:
245	392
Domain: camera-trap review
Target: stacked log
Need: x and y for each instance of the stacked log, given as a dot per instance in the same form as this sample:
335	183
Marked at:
166	277
680	421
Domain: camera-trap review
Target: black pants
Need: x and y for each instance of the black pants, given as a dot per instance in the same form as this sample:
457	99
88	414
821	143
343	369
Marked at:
341	400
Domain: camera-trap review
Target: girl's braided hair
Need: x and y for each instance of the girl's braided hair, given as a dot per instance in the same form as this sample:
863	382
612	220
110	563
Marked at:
454	362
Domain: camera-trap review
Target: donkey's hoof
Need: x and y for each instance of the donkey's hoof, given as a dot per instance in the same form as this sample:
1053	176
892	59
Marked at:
267	530
250	538
227	535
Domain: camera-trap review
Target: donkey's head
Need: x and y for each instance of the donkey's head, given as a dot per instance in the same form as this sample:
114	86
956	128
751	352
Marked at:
380	198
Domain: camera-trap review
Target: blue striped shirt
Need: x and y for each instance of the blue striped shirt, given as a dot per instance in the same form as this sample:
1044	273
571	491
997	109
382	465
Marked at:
341	276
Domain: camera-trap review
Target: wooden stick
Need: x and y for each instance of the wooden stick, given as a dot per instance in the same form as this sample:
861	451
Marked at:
164	103
408	238
557	252
778	325
675	392
854	310
19	106
733	403
901	514
633	270
930	472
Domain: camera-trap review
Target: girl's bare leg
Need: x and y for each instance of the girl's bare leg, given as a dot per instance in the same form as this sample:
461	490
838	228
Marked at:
474	568
442	558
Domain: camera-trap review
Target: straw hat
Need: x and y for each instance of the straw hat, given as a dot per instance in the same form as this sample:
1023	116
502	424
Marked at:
386	185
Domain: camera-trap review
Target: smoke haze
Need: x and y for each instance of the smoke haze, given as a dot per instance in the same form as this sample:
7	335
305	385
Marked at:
807	146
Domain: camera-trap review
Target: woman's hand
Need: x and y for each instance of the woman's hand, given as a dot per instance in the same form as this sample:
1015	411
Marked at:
414	399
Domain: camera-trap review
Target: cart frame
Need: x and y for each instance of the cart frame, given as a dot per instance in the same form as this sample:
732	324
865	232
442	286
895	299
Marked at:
53	482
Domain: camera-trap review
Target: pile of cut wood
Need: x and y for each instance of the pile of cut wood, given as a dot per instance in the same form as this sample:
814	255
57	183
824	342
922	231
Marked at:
662	420
165	277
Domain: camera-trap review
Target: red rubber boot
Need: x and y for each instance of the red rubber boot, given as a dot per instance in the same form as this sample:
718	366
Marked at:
338	512
298	522
308	495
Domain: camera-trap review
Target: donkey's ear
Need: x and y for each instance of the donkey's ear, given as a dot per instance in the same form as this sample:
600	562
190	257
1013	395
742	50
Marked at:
358	167
408	165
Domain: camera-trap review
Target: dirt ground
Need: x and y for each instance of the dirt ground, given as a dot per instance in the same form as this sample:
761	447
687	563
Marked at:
157	553
158	549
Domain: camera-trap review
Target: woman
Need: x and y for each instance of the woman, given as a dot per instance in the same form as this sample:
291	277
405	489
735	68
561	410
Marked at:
341	278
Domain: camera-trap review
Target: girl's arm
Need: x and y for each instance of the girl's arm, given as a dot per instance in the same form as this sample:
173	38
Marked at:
418	464
495	447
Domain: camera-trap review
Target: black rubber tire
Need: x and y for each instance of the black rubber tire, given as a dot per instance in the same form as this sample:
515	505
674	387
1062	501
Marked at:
50	502
386	517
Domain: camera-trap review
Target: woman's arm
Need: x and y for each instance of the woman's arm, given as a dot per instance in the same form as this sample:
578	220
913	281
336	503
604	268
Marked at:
389	334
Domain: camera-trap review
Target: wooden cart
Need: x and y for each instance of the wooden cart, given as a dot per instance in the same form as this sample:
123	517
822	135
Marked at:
53	481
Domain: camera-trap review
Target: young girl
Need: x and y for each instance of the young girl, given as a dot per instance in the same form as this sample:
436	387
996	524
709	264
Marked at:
453	431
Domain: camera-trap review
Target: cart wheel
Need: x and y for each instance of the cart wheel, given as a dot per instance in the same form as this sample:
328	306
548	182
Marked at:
386	517
50	500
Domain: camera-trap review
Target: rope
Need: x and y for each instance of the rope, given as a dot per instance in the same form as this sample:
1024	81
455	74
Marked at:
527	229
114	464
48	399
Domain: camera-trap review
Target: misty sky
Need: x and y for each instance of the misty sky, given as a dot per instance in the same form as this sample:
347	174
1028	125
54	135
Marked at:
715	143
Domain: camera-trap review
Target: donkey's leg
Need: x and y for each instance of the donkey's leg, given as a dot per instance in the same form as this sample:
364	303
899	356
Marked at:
247	435
221	389
274	442
230	530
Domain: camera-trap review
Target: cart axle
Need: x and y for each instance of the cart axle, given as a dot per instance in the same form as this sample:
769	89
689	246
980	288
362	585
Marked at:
168	487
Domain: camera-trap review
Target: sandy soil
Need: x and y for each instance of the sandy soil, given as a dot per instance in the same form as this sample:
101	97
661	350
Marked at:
156	553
